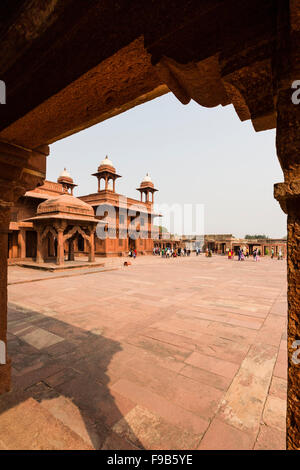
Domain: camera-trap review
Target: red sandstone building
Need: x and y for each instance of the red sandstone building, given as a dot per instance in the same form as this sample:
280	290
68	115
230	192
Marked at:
222	243
50	224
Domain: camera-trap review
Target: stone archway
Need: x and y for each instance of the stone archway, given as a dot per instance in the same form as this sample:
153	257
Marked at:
250	63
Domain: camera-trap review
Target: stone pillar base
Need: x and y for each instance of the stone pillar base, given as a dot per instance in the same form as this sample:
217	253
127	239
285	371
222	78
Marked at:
5	377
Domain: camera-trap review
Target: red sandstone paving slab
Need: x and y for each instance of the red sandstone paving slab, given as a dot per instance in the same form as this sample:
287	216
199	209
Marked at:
147	430
151	375
32	377
274	414
200	400
260	360
160	348
79	422
23	427
113	441
155	403
206	377
281	369
223	317
272	329
270	439
223	308
147	357
169	338
279	308
207	344
197	329
221	436
244	401
283	344
278	388
64	375
213	364
95	399
232	332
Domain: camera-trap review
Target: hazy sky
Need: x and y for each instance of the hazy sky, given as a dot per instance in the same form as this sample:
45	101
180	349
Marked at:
193	154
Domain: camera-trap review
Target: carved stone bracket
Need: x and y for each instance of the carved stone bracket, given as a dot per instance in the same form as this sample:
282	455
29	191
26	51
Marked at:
21	170
288	196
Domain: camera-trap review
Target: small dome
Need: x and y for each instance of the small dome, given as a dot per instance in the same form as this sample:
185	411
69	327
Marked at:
106	164
65	204
65	173
147	179
64	177
147	182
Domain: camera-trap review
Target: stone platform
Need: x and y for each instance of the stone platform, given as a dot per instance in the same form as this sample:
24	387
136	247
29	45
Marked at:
52	267
185	353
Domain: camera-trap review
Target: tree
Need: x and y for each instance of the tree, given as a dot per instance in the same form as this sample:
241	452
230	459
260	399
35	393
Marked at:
253	237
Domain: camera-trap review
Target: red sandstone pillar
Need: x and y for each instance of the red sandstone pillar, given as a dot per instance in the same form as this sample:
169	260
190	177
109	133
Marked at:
71	256
92	247
60	247
288	195
4	362
39	249
22	243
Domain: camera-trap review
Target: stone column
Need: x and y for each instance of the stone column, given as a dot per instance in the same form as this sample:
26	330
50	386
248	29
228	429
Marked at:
22	243
20	170
288	195
39	248
5	367
60	247
71	256
92	247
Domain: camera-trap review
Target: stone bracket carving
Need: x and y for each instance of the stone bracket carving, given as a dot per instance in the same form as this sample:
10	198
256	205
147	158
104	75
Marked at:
249	89
288	196
200	81
20	169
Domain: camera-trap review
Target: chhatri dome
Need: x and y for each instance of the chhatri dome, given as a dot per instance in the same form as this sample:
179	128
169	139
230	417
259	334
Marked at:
146	188
66	181
147	182
106	163
65	176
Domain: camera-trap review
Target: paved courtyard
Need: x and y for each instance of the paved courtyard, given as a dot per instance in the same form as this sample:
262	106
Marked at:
183	353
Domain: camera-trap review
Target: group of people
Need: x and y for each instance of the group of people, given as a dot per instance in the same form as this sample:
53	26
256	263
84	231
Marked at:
243	253
171	252
280	255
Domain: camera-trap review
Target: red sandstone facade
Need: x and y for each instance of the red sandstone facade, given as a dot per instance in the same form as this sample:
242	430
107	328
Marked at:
23	234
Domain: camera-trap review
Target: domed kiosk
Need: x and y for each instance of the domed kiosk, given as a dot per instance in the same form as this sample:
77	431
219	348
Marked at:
107	172
60	221
66	181
147	187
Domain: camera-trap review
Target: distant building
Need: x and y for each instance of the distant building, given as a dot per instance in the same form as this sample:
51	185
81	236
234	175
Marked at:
222	243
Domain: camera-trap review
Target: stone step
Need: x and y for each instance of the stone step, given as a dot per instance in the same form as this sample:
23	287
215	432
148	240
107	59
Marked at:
28	425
